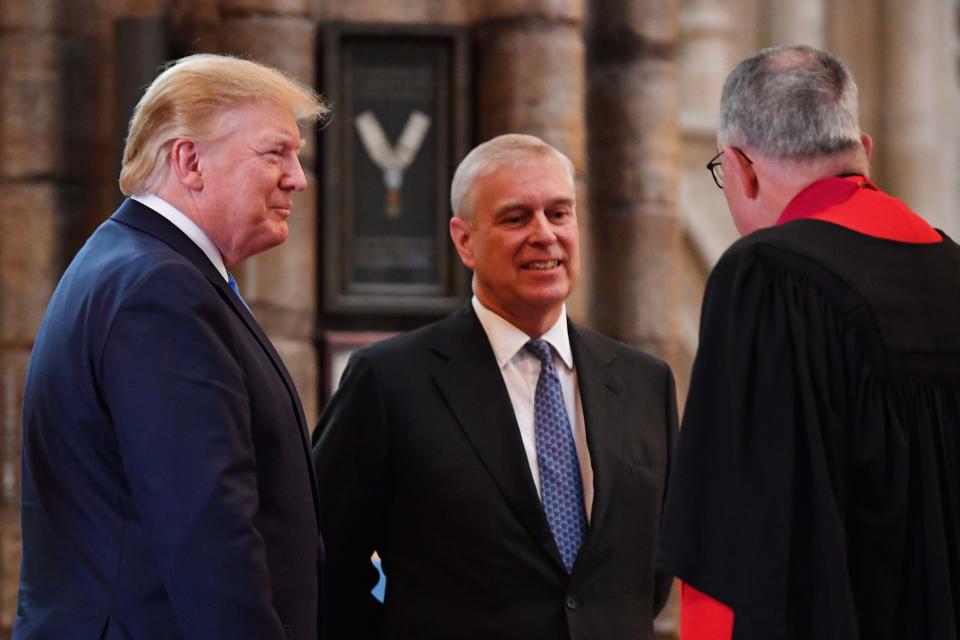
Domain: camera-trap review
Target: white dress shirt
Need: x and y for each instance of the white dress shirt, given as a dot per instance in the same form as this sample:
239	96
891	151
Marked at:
188	226
521	370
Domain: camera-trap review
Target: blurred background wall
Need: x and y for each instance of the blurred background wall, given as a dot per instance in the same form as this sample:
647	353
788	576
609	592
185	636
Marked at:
628	89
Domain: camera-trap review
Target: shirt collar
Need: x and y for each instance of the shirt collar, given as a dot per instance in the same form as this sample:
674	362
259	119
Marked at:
506	339
187	226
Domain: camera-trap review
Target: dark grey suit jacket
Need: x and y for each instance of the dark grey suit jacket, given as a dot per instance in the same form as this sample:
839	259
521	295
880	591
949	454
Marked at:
420	458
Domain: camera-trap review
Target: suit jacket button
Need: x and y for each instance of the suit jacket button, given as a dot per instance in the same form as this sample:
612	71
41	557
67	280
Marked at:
572	603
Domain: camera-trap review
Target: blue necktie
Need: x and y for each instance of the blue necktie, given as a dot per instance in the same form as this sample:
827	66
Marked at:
232	283
557	456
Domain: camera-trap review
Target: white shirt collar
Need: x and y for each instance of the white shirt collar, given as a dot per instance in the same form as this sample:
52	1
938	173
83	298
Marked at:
185	224
506	339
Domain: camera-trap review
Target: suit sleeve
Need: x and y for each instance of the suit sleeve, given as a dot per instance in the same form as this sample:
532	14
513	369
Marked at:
179	403
350	458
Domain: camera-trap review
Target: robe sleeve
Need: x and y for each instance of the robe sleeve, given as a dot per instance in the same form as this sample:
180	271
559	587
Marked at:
752	517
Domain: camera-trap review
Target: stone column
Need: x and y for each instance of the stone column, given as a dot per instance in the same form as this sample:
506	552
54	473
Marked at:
706	56
793	22
51	136
394	12
195	26
530	69
280	285
853	28
634	171
917	147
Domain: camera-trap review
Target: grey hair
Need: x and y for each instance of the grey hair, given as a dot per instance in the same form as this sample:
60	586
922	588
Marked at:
489	156
790	102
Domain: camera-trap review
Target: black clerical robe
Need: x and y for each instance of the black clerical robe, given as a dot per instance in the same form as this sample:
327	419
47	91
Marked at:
816	482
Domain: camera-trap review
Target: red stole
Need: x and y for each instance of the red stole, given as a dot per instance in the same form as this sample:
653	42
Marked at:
856	203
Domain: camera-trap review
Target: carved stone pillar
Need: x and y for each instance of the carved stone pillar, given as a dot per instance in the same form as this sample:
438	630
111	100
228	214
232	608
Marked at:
853	28
29	268
400	12
918	144
634	171
530	65
706	57
195	26
707	39
794	22
280	285
49	136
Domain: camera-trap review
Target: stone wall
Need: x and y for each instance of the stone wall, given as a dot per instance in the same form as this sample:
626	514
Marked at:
51	182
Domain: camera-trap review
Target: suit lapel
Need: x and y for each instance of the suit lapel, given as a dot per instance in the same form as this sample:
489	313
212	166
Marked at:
472	386
136	215
603	414
141	217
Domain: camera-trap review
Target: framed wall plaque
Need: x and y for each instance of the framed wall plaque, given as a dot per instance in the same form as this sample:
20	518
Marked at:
400	125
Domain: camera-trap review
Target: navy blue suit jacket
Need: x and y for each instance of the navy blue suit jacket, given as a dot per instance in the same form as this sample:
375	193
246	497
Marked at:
167	490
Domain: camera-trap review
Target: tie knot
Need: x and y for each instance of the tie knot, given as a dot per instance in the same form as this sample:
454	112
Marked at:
540	349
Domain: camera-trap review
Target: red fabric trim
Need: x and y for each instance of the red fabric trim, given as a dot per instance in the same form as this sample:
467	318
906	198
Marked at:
702	617
856	203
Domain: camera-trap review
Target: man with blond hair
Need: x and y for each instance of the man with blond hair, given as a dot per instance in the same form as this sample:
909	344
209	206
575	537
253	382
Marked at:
167	490
507	464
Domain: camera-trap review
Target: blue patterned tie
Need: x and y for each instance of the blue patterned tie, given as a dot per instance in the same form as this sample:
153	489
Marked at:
557	456
232	283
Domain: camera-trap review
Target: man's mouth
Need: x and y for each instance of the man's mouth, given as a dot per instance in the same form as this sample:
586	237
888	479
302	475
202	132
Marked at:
542	264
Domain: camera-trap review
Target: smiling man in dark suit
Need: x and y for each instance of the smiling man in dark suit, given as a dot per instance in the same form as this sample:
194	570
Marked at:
167	485
507	465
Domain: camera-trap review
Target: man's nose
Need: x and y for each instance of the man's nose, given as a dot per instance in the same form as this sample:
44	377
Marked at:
294	179
542	231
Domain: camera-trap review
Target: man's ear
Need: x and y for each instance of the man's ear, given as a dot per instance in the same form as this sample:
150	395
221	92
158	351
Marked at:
460	233
740	170
185	163
867	144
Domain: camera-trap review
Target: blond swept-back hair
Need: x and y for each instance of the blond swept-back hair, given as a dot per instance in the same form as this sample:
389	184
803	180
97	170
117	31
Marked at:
185	100
486	158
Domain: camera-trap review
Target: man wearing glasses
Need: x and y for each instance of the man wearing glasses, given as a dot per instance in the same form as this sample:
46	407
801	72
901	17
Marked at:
815	491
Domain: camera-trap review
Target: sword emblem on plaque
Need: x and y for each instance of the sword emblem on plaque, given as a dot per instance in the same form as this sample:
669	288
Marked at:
393	161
